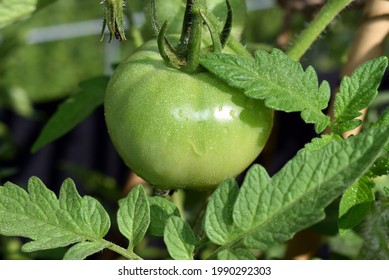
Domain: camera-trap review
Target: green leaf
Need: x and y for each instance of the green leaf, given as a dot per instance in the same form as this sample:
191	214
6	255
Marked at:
69	199
383	121
84	249
375	233
71	112
355	204
95	217
160	210
381	165
356	93
219	225
319	142
134	215
12	11
272	210
252	191
49	222
278	80
179	239
87	209
236	254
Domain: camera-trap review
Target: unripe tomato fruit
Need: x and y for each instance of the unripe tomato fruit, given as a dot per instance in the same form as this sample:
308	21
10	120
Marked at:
177	130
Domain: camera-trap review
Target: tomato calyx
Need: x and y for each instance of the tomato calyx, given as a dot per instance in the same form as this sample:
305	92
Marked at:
113	19
185	54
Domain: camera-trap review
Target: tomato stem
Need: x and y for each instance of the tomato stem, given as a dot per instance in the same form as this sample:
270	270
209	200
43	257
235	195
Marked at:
330	10
166	50
113	19
189	45
129	254
186	54
231	41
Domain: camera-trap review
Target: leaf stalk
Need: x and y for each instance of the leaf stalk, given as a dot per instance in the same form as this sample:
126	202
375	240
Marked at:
122	251
329	11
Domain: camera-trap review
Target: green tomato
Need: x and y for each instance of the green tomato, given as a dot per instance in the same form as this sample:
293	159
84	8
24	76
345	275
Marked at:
177	130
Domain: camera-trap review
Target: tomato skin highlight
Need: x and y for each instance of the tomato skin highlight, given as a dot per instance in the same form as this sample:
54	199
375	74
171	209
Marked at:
177	130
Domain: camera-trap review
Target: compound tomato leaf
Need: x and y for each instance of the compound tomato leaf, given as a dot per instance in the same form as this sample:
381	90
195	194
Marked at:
276	79
51	223
271	210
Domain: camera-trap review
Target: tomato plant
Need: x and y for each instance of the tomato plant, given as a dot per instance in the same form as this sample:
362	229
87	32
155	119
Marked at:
190	112
178	130
172	122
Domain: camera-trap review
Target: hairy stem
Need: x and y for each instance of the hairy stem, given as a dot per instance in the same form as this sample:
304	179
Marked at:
320	22
232	42
122	251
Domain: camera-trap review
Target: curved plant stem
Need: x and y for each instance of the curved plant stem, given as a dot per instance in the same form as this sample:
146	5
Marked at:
232	42
310	34
122	251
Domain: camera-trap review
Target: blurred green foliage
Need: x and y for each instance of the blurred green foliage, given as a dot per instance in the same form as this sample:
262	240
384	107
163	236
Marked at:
51	70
